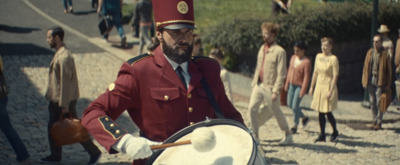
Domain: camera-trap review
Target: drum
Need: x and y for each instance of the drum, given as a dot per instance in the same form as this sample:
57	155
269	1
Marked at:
235	145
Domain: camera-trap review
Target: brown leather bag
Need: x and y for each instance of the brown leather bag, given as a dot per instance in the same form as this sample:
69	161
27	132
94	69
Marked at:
68	130
386	99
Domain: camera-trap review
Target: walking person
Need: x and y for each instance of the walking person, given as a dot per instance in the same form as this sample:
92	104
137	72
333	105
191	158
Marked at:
376	78
217	54
63	93
5	124
281	6
269	78
113	8
162	91
297	81
387	43
197	46
143	17
325	94
68	6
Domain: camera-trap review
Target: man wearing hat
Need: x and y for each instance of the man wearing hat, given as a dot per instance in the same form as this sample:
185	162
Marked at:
162	91
387	42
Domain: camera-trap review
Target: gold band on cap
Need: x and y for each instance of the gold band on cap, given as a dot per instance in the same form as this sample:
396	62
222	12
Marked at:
174	21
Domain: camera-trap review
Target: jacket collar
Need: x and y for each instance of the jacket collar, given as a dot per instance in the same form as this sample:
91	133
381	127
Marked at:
168	71
58	52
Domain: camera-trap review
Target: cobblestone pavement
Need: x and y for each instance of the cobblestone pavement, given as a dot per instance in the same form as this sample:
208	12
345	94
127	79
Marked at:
27	80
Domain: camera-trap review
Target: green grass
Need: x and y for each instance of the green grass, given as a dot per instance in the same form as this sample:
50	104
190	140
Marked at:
212	12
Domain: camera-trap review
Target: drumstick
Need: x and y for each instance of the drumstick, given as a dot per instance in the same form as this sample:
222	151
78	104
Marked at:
202	139
162	146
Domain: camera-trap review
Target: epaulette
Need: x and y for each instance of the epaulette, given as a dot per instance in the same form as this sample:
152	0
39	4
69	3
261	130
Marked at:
138	58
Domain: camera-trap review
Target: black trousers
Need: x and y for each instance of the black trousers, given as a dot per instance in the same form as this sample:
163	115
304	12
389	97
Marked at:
54	116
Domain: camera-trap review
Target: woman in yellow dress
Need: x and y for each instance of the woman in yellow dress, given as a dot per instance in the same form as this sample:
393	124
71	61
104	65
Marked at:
325	95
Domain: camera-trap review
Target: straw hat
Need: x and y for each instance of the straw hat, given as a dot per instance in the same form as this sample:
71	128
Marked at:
383	29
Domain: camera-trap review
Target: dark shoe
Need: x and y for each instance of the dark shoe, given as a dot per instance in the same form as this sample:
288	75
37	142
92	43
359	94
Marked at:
305	121
123	42
321	138
293	130
135	35
51	158
71	10
94	159
334	136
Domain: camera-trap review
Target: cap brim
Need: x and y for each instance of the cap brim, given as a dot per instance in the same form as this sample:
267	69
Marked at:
179	26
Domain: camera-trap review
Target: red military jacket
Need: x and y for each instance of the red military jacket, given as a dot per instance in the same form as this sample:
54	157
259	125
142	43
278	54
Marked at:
156	100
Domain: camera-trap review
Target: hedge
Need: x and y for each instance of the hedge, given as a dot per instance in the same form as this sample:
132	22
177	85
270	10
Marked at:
344	22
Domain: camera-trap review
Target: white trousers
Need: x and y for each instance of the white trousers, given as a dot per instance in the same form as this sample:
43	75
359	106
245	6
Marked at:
258	116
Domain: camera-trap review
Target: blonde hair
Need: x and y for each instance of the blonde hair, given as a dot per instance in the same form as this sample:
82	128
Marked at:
271	27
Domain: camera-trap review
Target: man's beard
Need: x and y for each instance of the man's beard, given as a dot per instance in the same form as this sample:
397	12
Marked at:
177	55
52	44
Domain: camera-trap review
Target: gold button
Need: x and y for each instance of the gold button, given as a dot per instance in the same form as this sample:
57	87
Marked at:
191	123
190	109
112	125
107	119
117	131
166	97
189	95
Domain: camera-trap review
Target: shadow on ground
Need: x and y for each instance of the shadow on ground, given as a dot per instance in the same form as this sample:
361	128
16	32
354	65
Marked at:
23	49
16	29
83	13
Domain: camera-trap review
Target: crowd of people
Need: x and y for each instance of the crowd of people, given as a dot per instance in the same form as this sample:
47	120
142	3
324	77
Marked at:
164	90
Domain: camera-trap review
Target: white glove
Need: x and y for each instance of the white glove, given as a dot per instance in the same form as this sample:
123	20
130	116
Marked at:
136	147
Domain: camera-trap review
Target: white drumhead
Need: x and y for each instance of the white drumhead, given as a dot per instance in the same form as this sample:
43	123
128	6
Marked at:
234	146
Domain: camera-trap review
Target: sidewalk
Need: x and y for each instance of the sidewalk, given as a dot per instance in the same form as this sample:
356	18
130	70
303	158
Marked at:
26	76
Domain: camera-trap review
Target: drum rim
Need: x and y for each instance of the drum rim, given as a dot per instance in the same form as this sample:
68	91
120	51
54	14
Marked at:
205	123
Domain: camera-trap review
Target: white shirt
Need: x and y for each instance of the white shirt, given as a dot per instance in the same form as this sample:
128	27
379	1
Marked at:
185	72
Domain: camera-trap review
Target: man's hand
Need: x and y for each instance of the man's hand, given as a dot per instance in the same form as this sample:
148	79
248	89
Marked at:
273	97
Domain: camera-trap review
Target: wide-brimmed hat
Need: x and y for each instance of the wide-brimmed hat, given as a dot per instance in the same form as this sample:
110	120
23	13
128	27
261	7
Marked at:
383	29
173	14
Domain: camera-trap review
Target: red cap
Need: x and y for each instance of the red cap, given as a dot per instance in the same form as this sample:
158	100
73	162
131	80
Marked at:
173	14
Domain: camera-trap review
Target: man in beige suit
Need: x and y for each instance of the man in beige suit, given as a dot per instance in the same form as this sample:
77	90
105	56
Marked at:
268	81
63	93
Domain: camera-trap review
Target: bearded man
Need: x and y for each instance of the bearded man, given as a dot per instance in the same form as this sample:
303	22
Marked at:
162	91
63	93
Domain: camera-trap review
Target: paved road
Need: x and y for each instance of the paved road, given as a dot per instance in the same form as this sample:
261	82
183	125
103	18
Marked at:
26	57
